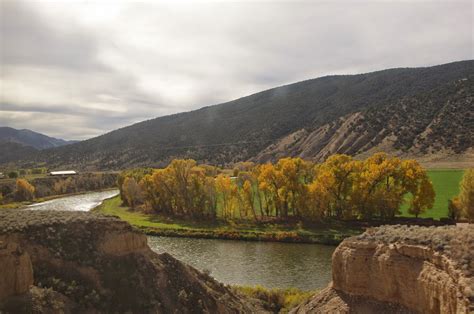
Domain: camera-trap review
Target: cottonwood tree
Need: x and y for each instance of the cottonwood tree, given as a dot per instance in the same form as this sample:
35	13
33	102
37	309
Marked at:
466	194
335	184
228	193
418	184
132	192
181	189
24	190
454	208
318	204
248	196
340	188
136	174
149	193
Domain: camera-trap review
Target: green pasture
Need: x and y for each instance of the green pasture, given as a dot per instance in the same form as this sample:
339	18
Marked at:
446	186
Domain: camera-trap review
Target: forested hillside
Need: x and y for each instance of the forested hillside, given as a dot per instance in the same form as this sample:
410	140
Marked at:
30	138
436	123
415	111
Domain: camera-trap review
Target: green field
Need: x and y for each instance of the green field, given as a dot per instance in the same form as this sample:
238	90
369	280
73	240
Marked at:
446	186
161	225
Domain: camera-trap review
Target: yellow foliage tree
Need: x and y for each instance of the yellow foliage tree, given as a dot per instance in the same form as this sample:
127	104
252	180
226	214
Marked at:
339	187
417	182
335	178
284	185
454	208
149	193
228	193
132	192
379	190
466	194
162	191
211	199
248	198
182	189
318	202
24	190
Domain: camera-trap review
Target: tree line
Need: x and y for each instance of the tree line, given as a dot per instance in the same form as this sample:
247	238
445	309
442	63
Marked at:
27	190
341	188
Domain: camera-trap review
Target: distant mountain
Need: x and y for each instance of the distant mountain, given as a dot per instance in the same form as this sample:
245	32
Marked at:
29	138
421	112
11	152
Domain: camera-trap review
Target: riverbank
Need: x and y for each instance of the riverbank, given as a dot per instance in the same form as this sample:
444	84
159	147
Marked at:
275	300
158	225
14	205
92	255
46	187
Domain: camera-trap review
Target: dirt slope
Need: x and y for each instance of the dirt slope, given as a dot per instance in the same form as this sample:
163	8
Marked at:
84	262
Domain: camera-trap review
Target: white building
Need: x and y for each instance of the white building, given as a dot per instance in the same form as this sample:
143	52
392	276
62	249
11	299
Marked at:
63	173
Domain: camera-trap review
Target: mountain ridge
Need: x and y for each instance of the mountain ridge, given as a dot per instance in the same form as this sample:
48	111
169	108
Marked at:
243	128
31	138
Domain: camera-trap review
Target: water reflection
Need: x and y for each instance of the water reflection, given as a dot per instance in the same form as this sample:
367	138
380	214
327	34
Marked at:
82	202
282	265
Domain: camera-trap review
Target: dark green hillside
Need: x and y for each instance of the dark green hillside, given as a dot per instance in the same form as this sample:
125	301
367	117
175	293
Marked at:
30	138
440	118
10	151
240	129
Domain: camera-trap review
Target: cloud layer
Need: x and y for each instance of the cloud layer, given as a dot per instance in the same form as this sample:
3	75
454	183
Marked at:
75	69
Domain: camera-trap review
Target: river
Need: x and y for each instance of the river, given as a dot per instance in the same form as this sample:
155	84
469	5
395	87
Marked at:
80	202
270	264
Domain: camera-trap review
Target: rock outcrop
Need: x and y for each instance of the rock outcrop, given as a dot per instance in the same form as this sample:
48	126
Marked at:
85	262
400	269
16	276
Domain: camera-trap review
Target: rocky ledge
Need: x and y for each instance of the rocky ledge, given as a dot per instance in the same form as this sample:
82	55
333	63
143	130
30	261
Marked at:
61	262
401	269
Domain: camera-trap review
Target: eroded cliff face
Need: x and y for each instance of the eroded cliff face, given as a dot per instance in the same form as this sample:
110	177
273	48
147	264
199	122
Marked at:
85	262
16	276
401	270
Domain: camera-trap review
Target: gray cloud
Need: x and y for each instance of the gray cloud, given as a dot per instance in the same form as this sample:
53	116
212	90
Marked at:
102	65
29	39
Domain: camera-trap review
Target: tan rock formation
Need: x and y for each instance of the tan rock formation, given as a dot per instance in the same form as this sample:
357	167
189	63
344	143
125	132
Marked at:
401	275
85	262
16	275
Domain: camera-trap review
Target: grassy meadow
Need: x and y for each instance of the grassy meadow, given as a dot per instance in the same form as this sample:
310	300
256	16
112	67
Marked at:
446	186
160	225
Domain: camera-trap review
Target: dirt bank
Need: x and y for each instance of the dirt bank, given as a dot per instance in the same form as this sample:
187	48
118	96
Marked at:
86	262
400	269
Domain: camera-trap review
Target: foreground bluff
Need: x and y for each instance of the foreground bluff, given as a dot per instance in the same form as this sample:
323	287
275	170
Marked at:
400	269
84	262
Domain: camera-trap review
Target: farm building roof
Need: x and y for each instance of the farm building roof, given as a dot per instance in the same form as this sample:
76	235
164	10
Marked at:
65	172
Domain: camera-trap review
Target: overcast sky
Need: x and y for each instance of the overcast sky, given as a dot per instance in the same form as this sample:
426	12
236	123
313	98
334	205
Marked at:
77	69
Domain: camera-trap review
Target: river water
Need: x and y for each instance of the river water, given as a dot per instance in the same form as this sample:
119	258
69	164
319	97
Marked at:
270	264
81	202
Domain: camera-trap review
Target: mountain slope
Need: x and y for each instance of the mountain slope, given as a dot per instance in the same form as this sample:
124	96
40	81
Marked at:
10	151
247	127
30	138
438	122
